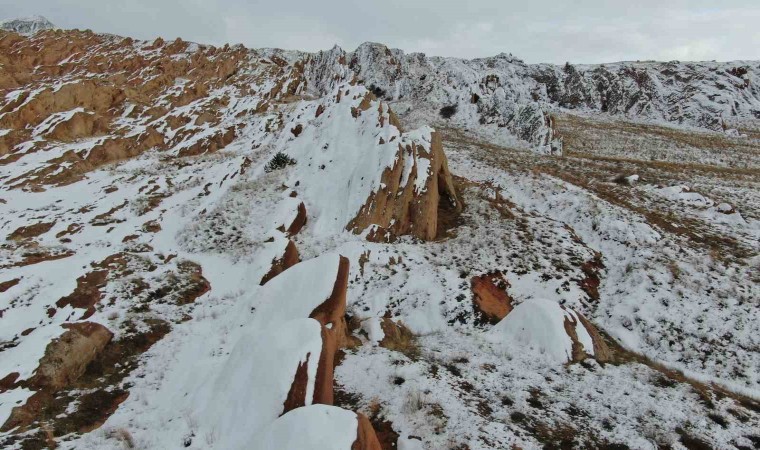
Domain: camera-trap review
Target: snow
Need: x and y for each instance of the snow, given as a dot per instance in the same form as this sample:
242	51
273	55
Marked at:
259	371
316	427
26	25
340	159
220	377
538	325
297	291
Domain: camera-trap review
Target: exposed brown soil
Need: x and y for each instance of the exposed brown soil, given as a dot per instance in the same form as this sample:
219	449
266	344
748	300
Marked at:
5	285
30	231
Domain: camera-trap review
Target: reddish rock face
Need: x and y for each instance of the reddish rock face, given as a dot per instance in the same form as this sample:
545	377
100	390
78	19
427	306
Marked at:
299	221
490	296
331	314
297	395
602	352
366	439
288	259
398	210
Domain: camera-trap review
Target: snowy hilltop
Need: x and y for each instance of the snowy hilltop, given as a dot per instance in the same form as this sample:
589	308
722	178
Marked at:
231	248
27	25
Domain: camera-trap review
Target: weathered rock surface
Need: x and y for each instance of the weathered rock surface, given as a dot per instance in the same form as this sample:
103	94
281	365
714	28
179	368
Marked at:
410	206
518	97
332	315
67	357
547	328
490	296
65	360
288	259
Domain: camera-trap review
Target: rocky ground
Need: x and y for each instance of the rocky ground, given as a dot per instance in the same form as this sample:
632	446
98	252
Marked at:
211	247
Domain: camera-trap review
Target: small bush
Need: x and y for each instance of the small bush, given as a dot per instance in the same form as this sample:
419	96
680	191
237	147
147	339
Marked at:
279	161
377	90
448	111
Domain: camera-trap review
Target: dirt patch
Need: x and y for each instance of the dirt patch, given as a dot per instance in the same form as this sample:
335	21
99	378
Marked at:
87	293
5	285
36	255
30	231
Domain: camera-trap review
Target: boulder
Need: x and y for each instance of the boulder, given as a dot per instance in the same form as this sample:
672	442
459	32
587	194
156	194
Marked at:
490	296
287	259
545	327
317	427
67	357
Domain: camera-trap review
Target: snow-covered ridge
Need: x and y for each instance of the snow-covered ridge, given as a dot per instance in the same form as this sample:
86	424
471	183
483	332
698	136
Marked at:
505	92
27	25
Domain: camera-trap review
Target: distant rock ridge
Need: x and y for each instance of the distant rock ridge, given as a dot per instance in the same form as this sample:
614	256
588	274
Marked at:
27	25
520	98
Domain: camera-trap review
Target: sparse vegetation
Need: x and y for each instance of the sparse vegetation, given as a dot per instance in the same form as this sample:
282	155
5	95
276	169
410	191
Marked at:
123	435
448	111
279	161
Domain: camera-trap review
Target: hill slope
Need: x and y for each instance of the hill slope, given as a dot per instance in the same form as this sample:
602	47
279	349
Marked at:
208	247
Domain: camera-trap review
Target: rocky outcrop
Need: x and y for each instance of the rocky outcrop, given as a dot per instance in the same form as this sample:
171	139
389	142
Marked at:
79	125
505	92
413	191
550	330
490	296
281	263
64	361
366	439
332	315
67	357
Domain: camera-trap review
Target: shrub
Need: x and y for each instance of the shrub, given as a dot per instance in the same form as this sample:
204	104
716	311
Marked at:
448	111
279	161
377	90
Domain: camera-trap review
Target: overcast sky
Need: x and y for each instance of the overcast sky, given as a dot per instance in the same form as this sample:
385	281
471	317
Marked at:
592	31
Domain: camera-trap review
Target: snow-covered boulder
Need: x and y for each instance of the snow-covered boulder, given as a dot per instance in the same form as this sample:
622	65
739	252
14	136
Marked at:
318	427
27	25
547	328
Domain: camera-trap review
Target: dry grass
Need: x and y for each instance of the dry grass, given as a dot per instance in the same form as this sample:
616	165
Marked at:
123	435
399	339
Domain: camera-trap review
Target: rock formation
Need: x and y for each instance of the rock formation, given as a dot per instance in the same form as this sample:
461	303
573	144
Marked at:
411	208
282	262
27	25
65	360
490	296
548	328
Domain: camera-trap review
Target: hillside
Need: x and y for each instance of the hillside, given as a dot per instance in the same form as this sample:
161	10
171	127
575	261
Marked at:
211	247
